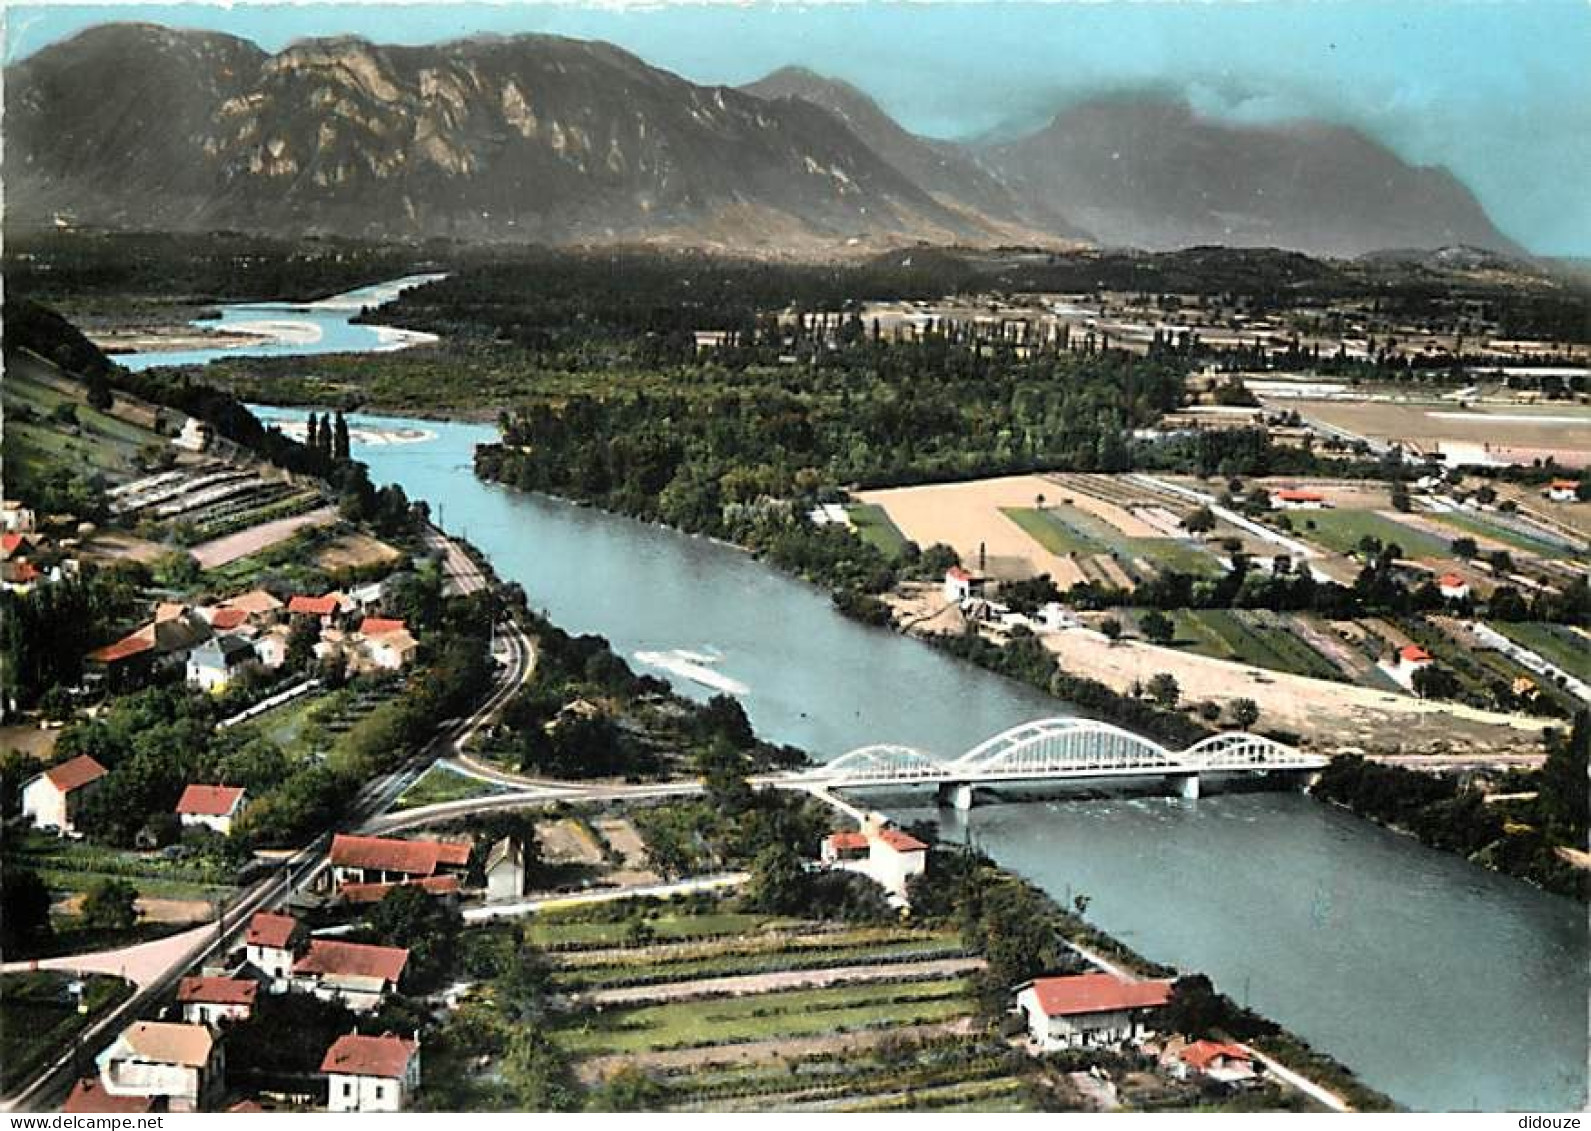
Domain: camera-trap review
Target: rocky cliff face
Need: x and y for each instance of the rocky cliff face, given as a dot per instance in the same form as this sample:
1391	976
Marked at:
558	140
532	137
1151	173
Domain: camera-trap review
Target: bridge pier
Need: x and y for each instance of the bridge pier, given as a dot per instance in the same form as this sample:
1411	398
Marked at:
961	796
1187	786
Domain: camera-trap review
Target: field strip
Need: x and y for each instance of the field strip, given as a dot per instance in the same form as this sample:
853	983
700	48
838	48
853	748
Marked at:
257	538
742	984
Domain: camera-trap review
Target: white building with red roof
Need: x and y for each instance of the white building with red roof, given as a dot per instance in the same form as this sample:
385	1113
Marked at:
1216	1060
887	856
1562	490
1403	663
371	1073
51	800
211	806
1091	1010
1452	587
209	1000
163	1060
356	974
271	946
391	860
961	584
1293	499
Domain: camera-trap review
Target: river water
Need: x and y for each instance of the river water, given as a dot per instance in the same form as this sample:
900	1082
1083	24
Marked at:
1440	984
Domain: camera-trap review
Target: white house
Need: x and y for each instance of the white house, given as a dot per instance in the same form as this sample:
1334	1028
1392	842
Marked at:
271	947
1216	1060
887	856
1405	662
16	517
357	974
182	1064
1089	1010
387	643
210	1001
215	663
371	1073
51	800
1295	500
195	435
270	647
1562	490
1452	587
211	806
961	584
505	871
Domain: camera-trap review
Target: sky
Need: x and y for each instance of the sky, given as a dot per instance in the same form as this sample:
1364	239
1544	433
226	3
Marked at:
1498	91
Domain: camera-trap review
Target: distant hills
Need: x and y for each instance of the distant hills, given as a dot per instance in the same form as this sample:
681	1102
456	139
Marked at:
541	138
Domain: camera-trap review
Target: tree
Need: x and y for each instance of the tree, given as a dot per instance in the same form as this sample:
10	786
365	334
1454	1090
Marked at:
1201	520
1111	627
778	881
24	911
339	446
1157	627
538	1072
301	640
1464	548
1194	1008
312	433
1163	689
1434	682
409	916
1245	713
628	1089
110	905
16	768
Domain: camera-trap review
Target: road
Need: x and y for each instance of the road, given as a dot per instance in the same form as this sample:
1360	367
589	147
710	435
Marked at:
463	575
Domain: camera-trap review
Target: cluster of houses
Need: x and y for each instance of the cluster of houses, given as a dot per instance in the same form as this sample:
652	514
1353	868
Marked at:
29	559
213	643
180	1066
969	591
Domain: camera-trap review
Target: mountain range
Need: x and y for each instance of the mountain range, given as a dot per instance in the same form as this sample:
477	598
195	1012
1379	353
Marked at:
542	138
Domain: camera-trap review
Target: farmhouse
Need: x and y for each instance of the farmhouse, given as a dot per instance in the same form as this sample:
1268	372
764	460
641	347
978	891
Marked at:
506	875
210	1001
1216	1060
1452	587
384	860
211	806
887	856
447	887
1089	1010
181	1064
1405	662
371	1073
358	975
327	609
51	800
1562	490
962	584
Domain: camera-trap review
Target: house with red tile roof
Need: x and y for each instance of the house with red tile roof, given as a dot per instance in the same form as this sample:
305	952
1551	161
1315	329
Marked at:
377	626
385	860
359	975
212	1000
1298	500
371	1073
1452	587
360	894
1403	663
256	604
89	1097
223	618
1090	1010
961	584
52	800
211	806
1562	490
271	946
1216	1060
885	855
329	608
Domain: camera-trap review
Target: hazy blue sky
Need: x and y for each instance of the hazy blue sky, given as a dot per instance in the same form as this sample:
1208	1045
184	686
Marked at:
1498	91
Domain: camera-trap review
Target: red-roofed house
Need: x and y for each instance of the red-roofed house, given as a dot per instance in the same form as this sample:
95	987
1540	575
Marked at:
384	860
52	799
328	608
1296	500
14	546
224	618
445	886
1405	662
371	1073
212	806
1089	1010
271	946
209	1001
391	651
1562	490
1452	587
256	603
126	662
887	856
358	975
184	1064
89	1097
961	584
376	626
1226	1063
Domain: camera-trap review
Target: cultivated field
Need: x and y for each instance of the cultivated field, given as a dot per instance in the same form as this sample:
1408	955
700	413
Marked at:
1513	433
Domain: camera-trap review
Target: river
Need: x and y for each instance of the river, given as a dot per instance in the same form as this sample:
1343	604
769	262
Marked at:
1440	984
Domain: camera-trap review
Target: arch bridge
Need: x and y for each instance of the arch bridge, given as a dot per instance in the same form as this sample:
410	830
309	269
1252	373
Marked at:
1058	750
